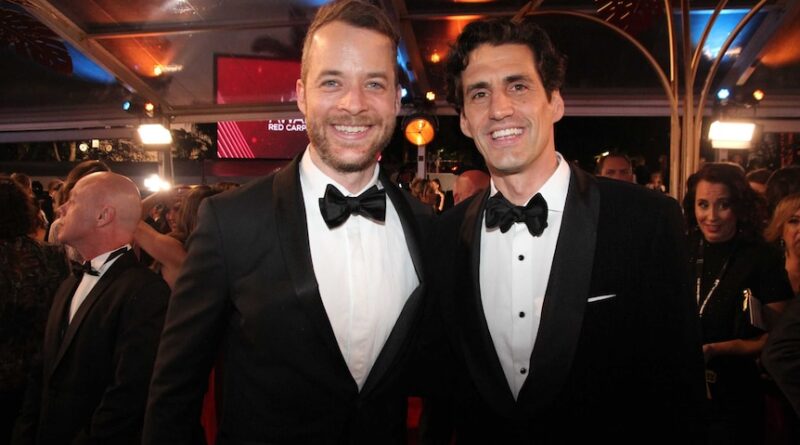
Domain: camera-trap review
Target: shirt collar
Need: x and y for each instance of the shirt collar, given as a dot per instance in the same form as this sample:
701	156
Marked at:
316	180
99	262
554	190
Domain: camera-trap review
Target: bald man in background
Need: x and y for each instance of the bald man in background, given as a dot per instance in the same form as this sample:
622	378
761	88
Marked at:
103	328
469	183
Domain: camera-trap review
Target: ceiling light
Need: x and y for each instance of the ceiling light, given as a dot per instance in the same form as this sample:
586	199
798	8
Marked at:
758	95
154	134
430	95
723	93
733	135
435	58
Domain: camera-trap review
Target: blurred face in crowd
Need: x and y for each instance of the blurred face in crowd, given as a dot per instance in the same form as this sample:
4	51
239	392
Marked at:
615	167
172	215
791	233
506	110
349	97
713	211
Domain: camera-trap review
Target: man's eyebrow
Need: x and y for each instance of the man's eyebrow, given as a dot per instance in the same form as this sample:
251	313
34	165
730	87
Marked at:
476	86
516	78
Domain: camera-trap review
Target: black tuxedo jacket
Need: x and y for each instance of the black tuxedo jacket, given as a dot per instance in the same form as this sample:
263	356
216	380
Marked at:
607	368
92	384
248	290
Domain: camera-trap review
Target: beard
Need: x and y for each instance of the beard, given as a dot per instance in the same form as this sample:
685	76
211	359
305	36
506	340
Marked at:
333	155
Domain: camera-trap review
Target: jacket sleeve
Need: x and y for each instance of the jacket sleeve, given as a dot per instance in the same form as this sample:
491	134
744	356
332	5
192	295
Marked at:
781	355
194	322
673	365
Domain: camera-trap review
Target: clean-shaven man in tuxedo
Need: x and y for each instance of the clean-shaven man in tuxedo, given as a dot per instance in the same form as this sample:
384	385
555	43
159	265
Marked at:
307	283
103	328
564	298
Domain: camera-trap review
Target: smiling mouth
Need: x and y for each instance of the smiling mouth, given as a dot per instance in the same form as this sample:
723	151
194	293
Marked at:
506	133
351	129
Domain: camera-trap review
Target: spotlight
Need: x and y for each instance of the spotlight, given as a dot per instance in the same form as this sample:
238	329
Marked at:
758	95
154	134
435	58
154	183
127	105
157	70
149	108
83	147
723	93
403	92
430	95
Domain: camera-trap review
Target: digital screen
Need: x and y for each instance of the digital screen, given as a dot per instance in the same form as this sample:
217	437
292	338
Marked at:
249	80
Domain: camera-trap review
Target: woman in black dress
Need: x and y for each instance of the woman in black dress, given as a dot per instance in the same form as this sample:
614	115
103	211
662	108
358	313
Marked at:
740	287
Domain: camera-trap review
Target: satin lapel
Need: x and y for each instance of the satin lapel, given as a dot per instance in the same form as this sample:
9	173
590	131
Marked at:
400	331
478	348
290	220
54	319
565	298
124	261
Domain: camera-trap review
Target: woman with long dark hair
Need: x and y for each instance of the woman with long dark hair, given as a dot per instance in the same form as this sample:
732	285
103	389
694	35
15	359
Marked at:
740	287
30	273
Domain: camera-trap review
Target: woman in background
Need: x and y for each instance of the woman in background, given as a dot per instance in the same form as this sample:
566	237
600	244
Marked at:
736	272
30	273
784	228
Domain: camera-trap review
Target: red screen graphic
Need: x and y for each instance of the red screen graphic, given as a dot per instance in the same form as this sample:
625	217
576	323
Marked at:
248	80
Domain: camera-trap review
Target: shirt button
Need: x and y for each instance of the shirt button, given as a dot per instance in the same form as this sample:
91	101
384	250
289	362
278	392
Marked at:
521	257
523	371
522	315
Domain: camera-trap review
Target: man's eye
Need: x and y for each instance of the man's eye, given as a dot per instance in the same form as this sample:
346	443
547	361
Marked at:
479	95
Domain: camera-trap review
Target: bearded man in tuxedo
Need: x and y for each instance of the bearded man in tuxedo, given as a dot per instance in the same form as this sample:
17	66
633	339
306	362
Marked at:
306	283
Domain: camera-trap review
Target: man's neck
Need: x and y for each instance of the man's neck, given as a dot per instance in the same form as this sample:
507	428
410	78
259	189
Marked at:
354	182
519	187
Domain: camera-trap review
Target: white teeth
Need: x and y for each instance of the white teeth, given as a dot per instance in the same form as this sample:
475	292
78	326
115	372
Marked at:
350	128
506	132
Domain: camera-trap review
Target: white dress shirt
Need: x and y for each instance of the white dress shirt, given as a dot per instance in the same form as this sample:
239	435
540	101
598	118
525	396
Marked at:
89	281
514	271
363	269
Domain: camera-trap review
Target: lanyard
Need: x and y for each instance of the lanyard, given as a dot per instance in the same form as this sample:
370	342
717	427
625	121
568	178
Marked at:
698	264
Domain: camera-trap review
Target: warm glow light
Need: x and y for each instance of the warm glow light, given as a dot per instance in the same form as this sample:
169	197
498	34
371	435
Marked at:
149	107
733	135
430	95
154	134
157	70
435	58
154	183
758	95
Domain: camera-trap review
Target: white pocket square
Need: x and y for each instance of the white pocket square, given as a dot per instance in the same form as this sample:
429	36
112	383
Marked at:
600	297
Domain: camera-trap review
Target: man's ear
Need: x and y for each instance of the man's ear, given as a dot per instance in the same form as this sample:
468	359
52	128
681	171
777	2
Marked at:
556	105
464	125
106	216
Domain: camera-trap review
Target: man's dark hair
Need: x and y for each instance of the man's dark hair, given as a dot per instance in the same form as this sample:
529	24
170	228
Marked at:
784	182
747	206
602	159
759	176
550	63
354	13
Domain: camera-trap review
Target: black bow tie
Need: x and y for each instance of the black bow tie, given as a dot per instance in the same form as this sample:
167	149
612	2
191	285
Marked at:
336	208
79	269
503	214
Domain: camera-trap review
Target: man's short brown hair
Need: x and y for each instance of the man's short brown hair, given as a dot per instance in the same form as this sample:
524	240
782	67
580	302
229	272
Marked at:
354	13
